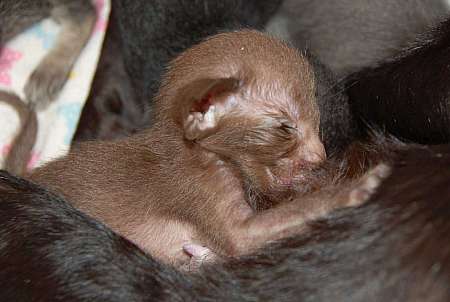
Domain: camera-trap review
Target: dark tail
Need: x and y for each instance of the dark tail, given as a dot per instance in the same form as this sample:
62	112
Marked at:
20	152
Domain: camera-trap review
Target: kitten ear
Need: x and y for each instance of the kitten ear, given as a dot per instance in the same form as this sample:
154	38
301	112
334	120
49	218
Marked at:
208	100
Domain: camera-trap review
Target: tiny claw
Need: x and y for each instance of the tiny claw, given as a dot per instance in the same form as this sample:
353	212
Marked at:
196	251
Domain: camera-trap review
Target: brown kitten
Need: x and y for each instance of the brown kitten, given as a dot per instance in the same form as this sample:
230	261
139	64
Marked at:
235	114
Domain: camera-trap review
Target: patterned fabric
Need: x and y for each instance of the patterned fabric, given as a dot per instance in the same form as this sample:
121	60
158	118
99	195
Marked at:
57	124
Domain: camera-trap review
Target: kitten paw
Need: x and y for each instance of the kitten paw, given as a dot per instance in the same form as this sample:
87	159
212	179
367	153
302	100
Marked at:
368	184
200	255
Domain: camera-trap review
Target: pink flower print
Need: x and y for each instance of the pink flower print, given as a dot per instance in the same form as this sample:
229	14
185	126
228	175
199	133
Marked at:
101	25
35	157
99	4
5	149
7	58
101	22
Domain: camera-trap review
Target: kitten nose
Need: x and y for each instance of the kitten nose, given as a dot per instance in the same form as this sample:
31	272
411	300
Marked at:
314	151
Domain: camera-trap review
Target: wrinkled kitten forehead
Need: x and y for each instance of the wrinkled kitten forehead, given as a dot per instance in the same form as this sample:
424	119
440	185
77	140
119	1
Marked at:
276	74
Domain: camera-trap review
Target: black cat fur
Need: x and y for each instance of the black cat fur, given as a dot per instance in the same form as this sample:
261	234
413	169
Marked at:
409	96
348	35
112	109
394	248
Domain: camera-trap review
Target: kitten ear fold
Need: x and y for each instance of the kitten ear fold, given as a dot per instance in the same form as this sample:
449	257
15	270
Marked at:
208	100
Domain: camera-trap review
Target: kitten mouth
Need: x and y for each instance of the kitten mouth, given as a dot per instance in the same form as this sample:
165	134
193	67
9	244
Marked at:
285	180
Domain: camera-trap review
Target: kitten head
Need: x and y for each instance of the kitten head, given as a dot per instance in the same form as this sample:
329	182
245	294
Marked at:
249	99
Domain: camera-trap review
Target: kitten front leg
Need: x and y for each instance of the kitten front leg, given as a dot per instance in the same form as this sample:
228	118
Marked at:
291	218
287	219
